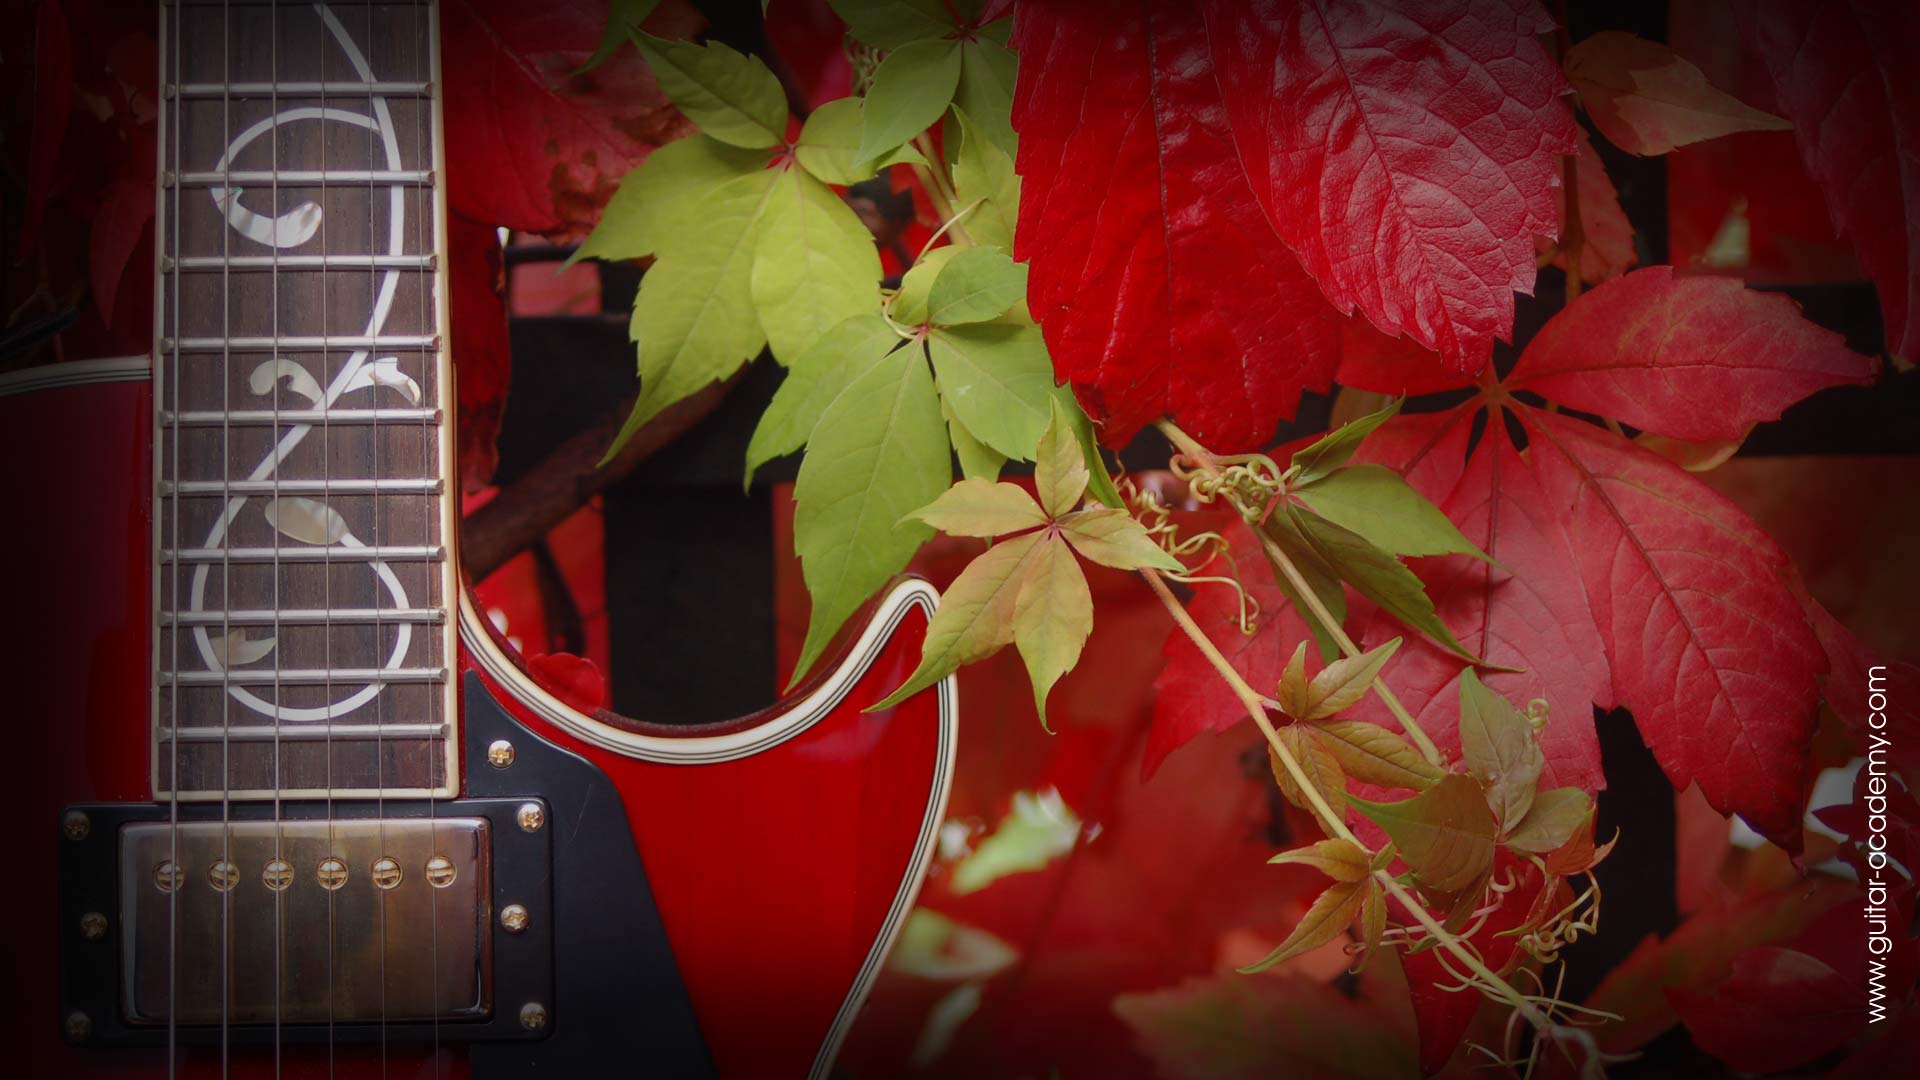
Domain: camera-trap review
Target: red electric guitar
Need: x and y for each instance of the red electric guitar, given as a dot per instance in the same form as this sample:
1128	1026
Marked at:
291	809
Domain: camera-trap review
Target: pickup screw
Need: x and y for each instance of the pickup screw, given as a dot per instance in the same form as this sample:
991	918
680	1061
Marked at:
513	918
93	926
500	753
166	876
530	816
79	1026
386	872
440	871
76	825
223	875
332	873
277	875
533	1016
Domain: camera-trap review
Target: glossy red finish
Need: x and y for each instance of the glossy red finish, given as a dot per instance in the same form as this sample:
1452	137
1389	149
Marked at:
774	873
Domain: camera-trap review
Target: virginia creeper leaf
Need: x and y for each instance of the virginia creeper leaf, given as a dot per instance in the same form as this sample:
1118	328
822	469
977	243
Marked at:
1695	358
1099	481
1111	537
1322	771
978	461
910	91
1552	820
1327	919
1038	828
1842	72
1059	470
1373	920
814	264
997	379
1647	99
694	317
1339	859
1445	833
1051	619
979	284
1227	1025
981	508
729	95
1707	644
1408	154
877	453
829	145
657	203
1373	501
1497	744
1374	573
1332	450
983	178
1320	578
1779	1008
1606	244
975	618
890	24
1161	287
1371	754
623	18
813	380
1344	681
1293	683
985	92
909	307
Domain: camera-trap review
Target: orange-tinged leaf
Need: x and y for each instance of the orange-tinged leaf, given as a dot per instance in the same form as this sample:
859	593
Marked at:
1329	916
1345	681
1060	470
1555	817
1371	754
1051	618
1111	537
1293	683
1498	745
1373	920
976	614
1321	769
1339	859
1445	833
1647	99
982	508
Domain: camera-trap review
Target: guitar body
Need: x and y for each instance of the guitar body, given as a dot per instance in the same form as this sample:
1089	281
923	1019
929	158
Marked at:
439	869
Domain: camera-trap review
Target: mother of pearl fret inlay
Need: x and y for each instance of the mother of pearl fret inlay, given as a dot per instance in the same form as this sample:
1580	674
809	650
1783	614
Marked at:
299	237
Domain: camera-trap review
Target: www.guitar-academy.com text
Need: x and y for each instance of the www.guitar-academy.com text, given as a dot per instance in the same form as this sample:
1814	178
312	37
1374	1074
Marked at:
1879	876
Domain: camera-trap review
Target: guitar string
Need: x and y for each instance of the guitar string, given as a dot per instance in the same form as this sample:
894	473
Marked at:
226	562
172	372
279	827
374	437
326	568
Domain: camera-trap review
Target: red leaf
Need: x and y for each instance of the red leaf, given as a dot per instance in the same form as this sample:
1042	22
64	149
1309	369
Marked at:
1843	73
1878	703
1530	612
1606	246
52	101
1443	1015
1371	360
1407	151
531	145
575	680
1696	358
1160	287
480	343
1780	1008
124	219
1429	449
1707	644
1190	697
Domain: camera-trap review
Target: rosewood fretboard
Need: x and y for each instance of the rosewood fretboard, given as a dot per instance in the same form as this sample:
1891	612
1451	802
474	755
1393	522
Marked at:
303	523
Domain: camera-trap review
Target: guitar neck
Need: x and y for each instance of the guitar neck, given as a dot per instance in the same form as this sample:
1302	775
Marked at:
304	513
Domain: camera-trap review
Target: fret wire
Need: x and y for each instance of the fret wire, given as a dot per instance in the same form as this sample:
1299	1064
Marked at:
302	262
304	177
305	676
311	730
305	616
297	89
309	417
384	553
397	485
309	343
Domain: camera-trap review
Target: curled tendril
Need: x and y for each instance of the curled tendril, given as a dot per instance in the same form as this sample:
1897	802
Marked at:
1157	518
865	60
1251	483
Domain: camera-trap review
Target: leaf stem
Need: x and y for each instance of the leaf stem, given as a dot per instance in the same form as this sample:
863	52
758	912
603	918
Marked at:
1336	825
1192	448
939	192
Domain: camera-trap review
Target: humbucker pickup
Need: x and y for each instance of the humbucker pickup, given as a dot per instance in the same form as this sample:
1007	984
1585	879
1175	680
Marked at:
421	915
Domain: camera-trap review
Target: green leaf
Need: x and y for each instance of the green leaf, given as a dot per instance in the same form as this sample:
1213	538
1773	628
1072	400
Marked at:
1334	448
877	453
1329	916
1319	577
1038	828
817	376
975	616
1375	502
889	24
979	284
693	320
1345	681
1100	482
1111	537
999	381
1553	819
1339	859
982	508
983	173
1059	472
1375	574
829	145
1497	744
728	95
978	461
985	91
1373	755
654	206
1445	833
623	18
814	265
911	302
910	92
1051	619
1321	767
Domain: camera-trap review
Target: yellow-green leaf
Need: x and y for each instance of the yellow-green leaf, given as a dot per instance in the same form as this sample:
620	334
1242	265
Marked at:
623	18
1334	448
1112	538
1051	618
1039	827
1345	681
728	95
981	508
1319	576
983	175
985	91
1332	912
909	306
889	24
979	284
655	206
1059	471
814	264
1497	744
842	355
1339	859
1445	833
1553	819
829	145
975	616
978	461
998	380
1373	755
910	92
1377	503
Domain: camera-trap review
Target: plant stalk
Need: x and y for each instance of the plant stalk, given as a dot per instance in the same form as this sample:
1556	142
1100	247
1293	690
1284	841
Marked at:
939	192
